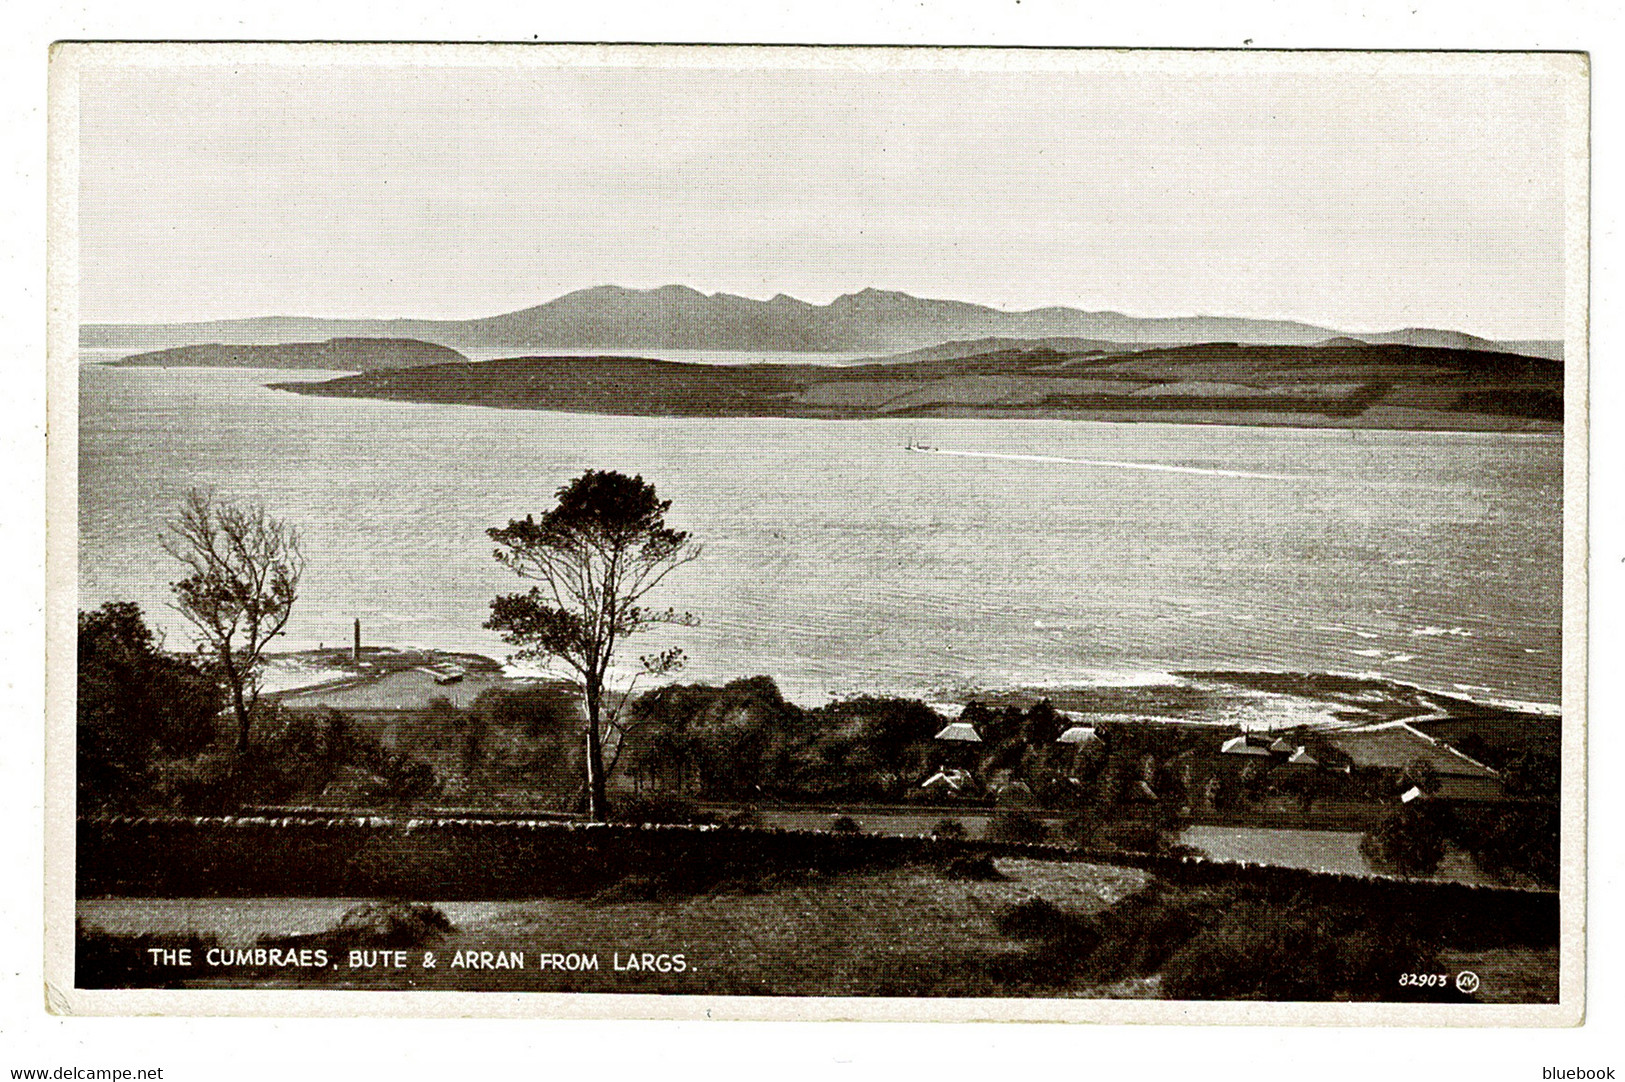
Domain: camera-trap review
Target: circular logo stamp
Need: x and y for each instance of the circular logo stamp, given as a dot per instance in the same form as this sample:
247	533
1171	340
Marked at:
1467	981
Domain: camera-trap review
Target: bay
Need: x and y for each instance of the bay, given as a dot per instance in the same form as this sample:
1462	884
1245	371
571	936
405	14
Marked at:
1020	553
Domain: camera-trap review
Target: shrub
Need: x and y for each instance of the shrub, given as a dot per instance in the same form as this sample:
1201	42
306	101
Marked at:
658	808
1017	826
102	959
1132	836
137	707
1062	942
1031	918
1409	841
1227	942
1512	842
635	888
977	868
376	924
1082	828
844	824
948	828
1290	952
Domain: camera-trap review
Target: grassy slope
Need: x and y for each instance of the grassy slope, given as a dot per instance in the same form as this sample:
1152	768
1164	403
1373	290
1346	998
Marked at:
902	932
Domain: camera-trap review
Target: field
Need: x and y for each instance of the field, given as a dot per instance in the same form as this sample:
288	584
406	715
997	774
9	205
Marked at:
896	931
902	931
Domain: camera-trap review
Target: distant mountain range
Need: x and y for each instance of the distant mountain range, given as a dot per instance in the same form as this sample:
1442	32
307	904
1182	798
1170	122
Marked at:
677	317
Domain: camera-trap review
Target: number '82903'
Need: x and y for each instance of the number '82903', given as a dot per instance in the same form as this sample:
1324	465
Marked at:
1423	980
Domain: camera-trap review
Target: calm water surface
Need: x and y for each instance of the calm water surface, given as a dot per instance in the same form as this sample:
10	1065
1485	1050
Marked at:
1025	552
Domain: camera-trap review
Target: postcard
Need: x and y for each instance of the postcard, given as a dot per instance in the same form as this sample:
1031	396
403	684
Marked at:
676	531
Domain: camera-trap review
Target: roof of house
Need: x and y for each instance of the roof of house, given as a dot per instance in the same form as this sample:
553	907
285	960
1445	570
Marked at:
1241	745
1303	758
1078	734
1456	787
961	731
1399	746
953	779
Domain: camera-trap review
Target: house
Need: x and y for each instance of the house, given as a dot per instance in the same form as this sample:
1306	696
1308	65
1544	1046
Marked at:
949	780
1457	778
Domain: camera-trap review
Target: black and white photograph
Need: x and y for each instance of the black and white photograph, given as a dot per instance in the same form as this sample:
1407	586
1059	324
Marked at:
831	532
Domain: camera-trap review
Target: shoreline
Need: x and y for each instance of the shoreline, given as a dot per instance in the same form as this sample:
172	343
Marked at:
1177	419
1386	701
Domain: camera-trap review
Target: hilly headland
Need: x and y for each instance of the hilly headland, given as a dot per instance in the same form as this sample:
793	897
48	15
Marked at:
1342	383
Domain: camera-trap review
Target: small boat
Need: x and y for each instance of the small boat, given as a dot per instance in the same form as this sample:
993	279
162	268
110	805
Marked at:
914	445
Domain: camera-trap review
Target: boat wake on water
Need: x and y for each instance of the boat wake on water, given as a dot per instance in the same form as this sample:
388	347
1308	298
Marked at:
1155	467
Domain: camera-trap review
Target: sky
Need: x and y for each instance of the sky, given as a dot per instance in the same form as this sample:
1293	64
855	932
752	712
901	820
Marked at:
1360	201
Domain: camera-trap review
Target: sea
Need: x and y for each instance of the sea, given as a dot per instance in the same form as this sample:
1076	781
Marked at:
1012	554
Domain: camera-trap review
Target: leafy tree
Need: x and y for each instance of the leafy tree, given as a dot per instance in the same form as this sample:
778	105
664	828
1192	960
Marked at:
1518	840
135	703
1017	826
1410	841
244	568
1533	775
596	554
1421	774
524	735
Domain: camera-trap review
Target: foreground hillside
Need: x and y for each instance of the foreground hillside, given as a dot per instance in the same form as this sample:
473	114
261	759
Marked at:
1356	385
343	354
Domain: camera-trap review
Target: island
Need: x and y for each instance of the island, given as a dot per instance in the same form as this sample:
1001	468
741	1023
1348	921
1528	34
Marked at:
342	354
1339	383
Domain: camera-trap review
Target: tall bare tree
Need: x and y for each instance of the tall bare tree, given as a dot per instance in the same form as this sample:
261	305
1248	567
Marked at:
244	577
596	554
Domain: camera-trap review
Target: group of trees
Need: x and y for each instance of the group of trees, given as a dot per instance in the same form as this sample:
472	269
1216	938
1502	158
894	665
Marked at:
594	556
1514	840
744	740
137	704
